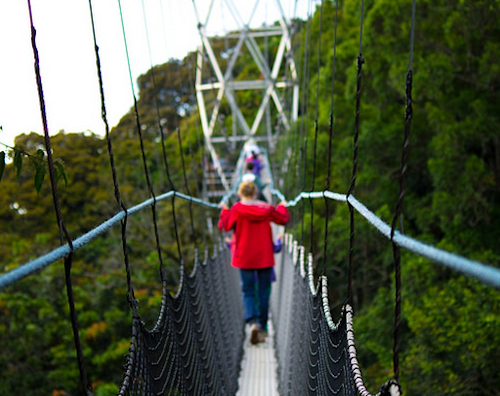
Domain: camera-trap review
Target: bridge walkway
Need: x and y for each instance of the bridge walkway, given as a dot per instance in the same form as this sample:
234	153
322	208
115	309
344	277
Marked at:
258	374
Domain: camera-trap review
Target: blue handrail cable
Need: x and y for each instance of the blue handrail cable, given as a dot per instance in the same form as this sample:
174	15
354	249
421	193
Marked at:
41	262
485	273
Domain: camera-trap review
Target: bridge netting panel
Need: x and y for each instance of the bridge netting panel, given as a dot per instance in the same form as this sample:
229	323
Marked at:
312	351
196	346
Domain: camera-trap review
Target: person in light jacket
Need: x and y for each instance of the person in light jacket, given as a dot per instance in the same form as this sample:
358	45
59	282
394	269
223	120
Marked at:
252	252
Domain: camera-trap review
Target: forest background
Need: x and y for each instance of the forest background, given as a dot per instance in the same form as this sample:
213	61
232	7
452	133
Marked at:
451	323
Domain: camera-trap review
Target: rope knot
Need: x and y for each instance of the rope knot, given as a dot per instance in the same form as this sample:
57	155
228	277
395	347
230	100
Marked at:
390	388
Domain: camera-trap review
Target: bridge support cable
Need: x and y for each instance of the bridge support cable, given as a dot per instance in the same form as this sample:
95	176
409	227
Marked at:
485	273
63	232
398	215
51	257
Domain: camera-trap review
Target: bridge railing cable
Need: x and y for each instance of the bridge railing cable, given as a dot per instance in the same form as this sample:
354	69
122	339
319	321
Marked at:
45	260
487	274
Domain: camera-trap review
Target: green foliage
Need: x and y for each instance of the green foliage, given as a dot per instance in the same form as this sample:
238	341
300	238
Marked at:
18	162
455	333
452	190
450	323
2	163
37	162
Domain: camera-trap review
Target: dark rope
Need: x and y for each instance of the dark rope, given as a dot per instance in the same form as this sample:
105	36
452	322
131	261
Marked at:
86	384
303	162
399	205
104	113
155	87
132	356
130	292
186	184
305	117
184	172
330	138
200	142
316	127
136	109
161	130
313	176
197	188
355	157
299	139
63	233
177	239
146	170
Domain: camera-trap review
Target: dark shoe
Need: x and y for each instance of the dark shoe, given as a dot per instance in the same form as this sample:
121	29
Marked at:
262	336
256	335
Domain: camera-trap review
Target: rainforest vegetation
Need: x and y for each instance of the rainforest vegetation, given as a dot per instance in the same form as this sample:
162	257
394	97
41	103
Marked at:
450	323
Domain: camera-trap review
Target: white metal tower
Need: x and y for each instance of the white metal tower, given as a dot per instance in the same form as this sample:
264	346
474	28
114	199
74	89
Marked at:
221	84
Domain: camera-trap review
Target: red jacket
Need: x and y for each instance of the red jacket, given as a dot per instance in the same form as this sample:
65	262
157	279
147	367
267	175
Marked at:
252	243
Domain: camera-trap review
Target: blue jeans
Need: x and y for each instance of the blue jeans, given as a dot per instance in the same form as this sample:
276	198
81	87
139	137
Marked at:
256	299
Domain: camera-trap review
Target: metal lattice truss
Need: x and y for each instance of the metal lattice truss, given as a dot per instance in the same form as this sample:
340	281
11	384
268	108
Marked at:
270	83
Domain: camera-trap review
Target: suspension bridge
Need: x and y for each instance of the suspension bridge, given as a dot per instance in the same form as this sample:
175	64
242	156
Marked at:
199	344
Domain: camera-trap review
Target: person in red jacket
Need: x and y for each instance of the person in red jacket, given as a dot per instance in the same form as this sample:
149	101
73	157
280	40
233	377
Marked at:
252	251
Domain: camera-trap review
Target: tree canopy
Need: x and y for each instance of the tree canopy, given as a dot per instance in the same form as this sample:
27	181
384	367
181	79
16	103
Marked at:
450	322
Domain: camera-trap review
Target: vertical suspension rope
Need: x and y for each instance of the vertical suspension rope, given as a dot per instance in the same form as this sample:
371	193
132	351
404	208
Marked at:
172	187
186	181
130	292
399	205
316	127
330	137
184	173
291	177
177	127
141	140
192	158
161	131
355	155
121	204
305	117
303	186
63	233
200	142
198	191
104	116
136	111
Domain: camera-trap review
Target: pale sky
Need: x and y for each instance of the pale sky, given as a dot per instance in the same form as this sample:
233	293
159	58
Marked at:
67	60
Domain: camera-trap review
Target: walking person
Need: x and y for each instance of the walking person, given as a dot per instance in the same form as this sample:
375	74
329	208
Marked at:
252	252
257	163
249	175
